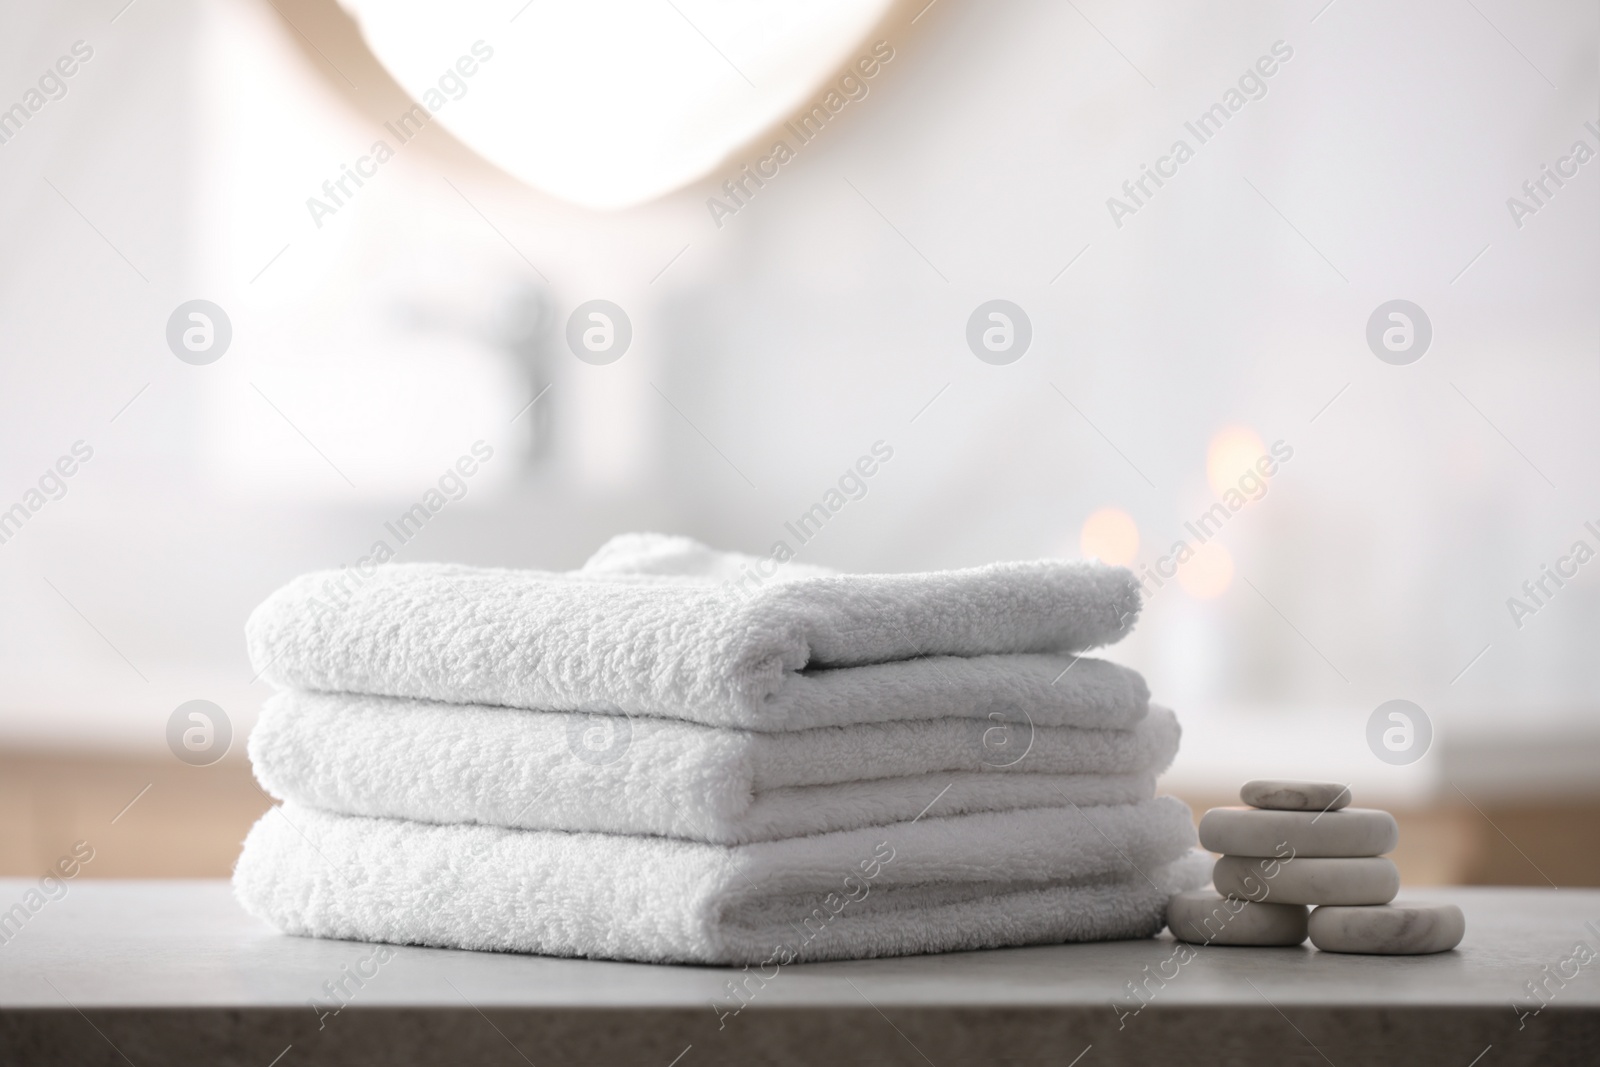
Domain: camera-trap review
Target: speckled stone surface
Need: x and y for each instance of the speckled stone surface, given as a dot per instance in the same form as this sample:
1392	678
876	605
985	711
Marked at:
1284	794
1253	832
175	973
1203	917
1373	880
1401	929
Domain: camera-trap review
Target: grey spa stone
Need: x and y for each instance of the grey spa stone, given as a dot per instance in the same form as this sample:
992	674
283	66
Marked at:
1254	832
1307	880
1388	929
1283	794
1202	917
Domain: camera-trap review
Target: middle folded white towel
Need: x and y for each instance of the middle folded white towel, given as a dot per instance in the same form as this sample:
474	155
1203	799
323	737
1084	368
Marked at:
452	763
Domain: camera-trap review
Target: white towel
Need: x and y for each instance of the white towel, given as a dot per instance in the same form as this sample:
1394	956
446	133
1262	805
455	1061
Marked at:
937	885
813	650
446	763
653	553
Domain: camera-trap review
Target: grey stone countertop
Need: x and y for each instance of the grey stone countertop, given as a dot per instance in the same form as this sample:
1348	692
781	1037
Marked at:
142	972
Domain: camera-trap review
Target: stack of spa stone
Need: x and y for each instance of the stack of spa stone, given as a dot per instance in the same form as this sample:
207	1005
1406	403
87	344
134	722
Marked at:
1300	845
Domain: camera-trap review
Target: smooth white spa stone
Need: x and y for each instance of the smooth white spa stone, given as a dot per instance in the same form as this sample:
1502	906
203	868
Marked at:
1284	794
1255	832
1307	880
1403	929
1202	917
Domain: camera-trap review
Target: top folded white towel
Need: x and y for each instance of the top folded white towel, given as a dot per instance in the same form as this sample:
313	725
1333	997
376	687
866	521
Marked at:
654	626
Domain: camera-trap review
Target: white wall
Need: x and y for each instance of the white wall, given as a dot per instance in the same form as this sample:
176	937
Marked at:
815	322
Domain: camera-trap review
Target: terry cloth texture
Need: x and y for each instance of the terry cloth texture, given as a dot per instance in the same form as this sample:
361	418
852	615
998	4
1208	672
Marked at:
808	651
936	885
683	755
446	763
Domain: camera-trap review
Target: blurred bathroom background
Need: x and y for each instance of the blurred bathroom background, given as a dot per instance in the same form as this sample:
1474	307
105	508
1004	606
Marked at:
1218	311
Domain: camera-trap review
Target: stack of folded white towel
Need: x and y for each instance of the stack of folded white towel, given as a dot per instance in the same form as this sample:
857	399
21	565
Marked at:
665	757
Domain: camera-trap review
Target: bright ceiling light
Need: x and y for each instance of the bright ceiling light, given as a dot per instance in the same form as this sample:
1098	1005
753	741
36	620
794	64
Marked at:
610	103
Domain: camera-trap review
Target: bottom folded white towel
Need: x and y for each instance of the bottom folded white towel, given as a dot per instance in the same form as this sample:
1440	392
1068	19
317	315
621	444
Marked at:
973	881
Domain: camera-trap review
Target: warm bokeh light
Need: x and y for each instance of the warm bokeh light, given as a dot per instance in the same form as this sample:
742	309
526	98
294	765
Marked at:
1111	536
1233	452
1208	573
